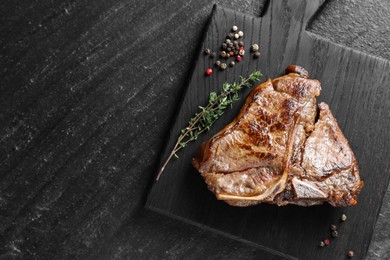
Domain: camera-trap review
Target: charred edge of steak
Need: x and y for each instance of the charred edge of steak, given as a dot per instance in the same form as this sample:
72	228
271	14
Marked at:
298	70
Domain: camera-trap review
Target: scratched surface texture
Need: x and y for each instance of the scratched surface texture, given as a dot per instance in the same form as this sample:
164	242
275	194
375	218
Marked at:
88	92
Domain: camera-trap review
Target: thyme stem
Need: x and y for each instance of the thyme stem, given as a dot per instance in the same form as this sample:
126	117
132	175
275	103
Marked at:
203	120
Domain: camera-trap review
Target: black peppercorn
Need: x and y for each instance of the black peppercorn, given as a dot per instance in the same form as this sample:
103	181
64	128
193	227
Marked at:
228	41
213	54
228	49
333	227
241	44
256	55
224	46
235	43
235	53
322	244
350	254
223	66
335	233
207	51
217	63
232	63
230	36
230	44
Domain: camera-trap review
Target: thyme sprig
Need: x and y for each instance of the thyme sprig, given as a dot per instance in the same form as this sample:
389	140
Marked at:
204	119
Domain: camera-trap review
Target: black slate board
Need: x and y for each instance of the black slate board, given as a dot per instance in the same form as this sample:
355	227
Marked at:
354	84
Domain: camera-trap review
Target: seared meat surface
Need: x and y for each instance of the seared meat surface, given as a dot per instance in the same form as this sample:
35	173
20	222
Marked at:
276	152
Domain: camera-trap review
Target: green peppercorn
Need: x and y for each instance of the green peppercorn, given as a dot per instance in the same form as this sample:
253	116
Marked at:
217	63
207	51
223	66
255	47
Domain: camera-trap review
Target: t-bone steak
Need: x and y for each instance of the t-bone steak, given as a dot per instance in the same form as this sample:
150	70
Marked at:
282	148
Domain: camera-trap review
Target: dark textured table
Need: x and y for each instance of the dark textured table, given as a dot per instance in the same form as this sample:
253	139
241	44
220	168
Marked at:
88	92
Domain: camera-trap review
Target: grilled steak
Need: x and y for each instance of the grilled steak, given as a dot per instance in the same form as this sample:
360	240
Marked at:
275	150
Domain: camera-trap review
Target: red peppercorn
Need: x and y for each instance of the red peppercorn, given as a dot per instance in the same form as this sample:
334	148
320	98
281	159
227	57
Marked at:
209	71
239	58
241	48
327	241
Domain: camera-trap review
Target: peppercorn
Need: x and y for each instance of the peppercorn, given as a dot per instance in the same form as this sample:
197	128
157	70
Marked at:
213	54
241	44
223	54
228	49
209	71
227	56
231	53
255	47
343	217
241	52
235	53
207	51
234	28
230	44
217	63
240	33
335	233
223	66
224	46
256	55
327	241
230	36
235	43
333	227
239	58
228	41
232	63
350	254
236	36
322	244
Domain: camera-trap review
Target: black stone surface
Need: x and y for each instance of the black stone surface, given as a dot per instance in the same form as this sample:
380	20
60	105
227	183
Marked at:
88	93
